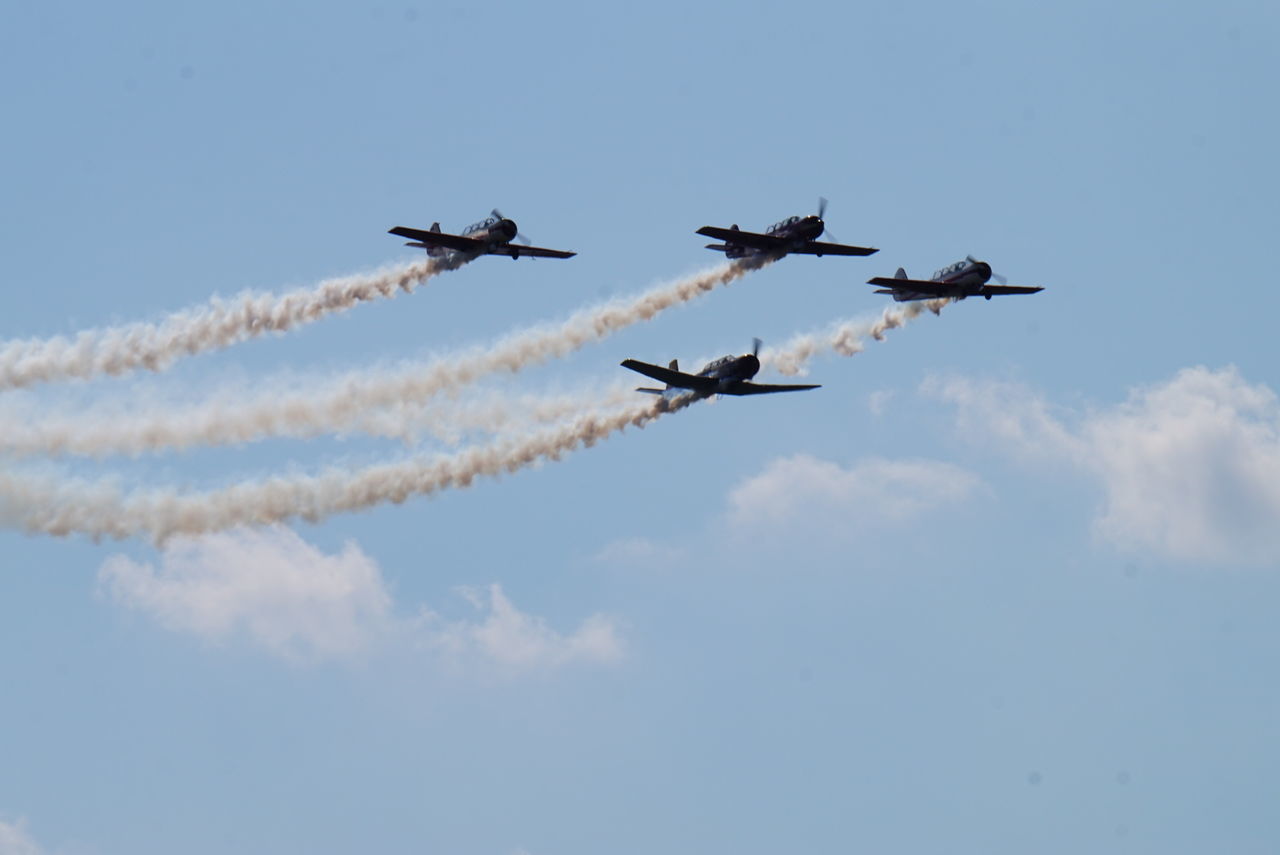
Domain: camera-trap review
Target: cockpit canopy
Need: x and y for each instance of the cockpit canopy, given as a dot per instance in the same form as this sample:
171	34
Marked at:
782	224
483	225
715	364
951	269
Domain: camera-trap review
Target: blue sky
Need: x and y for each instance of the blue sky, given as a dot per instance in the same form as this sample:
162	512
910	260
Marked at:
1002	584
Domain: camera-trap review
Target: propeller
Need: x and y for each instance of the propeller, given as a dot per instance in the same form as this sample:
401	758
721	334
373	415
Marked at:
822	213
524	240
996	277
755	347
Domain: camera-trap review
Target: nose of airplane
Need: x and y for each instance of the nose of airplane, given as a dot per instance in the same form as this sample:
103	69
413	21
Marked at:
508	228
750	365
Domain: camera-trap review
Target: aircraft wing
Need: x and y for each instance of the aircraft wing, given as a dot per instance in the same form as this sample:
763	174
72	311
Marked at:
914	289
755	240
998	290
426	238
515	250
749	388
815	247
671	377
922	286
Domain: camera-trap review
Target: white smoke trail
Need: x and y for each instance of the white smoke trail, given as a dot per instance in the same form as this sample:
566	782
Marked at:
99	510
846	338
494	414
93	434
217	324
345	403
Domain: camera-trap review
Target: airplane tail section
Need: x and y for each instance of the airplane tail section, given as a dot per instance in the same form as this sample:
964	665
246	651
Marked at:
901	274
436	251
674	365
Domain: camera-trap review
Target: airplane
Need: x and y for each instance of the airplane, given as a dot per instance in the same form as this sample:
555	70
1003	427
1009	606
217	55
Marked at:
792	235
490	236
966	278
728	375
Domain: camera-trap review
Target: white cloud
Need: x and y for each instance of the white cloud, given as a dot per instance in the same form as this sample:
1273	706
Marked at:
14	839
878	401
639	551
514	639
279	592
268	584
1189	468
871	492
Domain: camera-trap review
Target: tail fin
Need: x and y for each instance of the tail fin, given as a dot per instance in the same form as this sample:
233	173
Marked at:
435	227
674	365
901	274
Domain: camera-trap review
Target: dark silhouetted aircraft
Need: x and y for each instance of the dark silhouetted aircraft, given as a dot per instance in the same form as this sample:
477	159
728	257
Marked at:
728	375
966	278
490	236
794	234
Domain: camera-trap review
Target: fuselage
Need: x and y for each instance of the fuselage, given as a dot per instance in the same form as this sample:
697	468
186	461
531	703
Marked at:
797	231
730	370
968	276
494	231
491	231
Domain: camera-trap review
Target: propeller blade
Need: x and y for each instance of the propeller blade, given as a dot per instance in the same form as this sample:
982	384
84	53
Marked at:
755	346
524	240
1000	280
495	212
822	207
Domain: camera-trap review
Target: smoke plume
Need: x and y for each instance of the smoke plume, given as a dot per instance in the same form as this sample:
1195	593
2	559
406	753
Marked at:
846	338
41	505
345	403
100	434
217	324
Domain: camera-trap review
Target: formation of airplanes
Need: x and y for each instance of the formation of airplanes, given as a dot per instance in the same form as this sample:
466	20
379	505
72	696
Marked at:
728	375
